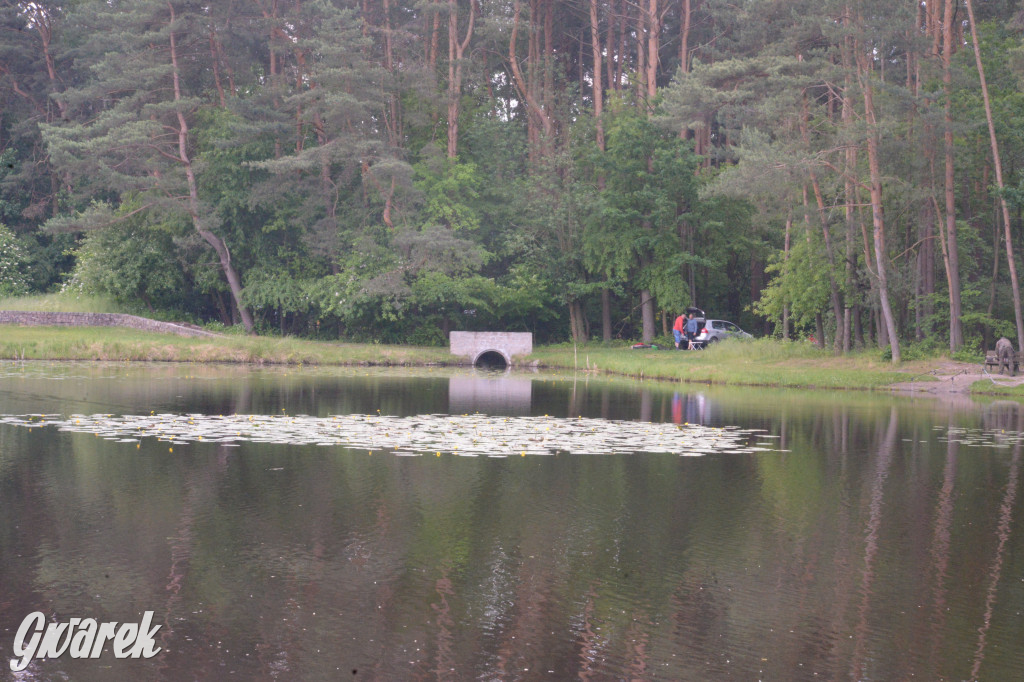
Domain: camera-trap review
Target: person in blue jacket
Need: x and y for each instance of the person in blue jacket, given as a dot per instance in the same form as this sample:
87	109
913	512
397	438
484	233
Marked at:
692	329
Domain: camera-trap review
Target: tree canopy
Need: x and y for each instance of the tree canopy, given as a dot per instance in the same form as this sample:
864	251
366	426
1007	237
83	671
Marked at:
392	170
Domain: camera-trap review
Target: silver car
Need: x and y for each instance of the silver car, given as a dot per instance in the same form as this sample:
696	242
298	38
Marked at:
712	331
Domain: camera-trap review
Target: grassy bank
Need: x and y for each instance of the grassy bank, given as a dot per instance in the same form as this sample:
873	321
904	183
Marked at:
994	388
64	303
114	343
752	363
756	363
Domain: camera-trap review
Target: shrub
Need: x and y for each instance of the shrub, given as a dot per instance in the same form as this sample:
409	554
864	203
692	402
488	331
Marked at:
12	262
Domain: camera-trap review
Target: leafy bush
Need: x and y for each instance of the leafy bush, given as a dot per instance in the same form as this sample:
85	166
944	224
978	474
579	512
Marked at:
923	350
130	263
221	328
426	335
970	352
665	341
12	259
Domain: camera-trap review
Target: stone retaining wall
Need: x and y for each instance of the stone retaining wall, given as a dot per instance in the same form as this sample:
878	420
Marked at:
471	345
36	319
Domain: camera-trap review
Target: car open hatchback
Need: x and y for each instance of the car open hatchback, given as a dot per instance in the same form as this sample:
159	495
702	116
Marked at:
713	331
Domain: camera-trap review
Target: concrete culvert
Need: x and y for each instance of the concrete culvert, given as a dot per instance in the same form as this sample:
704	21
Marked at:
491	359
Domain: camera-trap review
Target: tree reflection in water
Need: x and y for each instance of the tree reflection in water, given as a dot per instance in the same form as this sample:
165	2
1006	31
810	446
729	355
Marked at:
873	537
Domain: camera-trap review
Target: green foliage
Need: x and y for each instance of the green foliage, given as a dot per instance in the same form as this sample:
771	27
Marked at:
130	262
928	349
317	145
221	328
12	259
800	281
276	291
633	230
9	207
426	335
438	293
971	351
451	191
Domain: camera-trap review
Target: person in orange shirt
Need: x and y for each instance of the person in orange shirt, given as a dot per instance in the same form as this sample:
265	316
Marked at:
678	327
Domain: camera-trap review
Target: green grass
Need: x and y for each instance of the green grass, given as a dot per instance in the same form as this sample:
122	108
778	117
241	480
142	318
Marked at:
63	303
762	362
110	343
765	363
989	387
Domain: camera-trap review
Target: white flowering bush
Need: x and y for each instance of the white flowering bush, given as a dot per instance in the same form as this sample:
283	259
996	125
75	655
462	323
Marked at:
12	263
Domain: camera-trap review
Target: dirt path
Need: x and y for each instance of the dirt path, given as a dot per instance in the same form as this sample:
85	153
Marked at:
954	378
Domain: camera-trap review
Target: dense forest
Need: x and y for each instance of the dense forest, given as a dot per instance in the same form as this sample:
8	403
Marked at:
391	170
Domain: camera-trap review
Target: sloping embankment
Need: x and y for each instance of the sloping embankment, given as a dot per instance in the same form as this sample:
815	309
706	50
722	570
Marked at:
40	319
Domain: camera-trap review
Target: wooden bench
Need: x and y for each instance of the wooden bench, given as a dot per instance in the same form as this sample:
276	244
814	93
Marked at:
992	360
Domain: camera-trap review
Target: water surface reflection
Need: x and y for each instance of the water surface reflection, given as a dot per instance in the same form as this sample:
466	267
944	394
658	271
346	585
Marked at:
875	537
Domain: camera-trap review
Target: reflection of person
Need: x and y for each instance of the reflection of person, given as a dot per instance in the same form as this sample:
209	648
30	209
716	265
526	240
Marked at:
691	331
678	328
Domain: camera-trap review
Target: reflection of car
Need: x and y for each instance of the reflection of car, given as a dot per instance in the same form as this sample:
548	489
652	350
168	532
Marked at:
719	330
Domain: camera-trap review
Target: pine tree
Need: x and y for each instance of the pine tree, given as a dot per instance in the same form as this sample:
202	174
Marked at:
130	131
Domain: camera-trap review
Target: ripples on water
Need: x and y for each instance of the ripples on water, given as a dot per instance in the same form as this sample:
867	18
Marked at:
853	537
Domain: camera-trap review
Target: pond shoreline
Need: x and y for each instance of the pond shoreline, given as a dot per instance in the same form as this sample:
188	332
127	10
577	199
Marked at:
764	363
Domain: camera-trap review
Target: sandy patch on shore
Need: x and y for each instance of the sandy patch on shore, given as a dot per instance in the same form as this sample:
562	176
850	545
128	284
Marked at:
950	378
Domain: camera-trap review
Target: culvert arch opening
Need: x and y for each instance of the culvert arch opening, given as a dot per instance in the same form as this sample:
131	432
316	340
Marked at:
491	359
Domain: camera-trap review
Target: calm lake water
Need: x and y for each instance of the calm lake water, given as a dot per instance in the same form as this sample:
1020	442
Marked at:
813	535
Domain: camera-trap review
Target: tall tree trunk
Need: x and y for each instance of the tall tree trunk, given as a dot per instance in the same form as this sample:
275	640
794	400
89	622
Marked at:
456	50
835	295
849	164
648	64
877	219
435	36
598	95
577	321
686	13
641	52
595	50
234	281
691	269
1014	285
525	89
610	57
925	272
647	315
215	61
548	95
43	23
851	191
993	287
620	63
785	258
606	315
934	24
956	333
393	112
653	21
532	76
